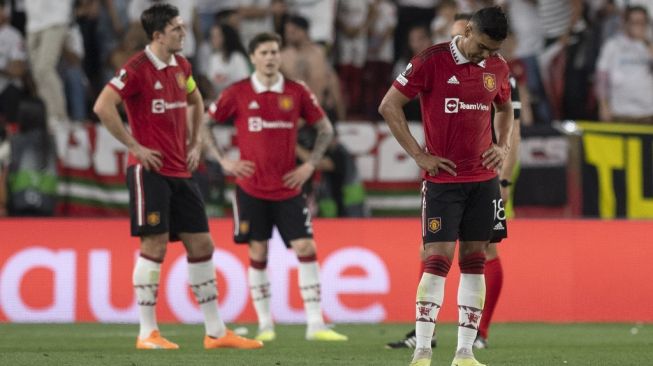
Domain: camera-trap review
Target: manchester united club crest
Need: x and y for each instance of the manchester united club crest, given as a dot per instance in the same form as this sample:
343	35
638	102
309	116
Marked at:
434	224
285	103
181	80
489	81
153	218
243	228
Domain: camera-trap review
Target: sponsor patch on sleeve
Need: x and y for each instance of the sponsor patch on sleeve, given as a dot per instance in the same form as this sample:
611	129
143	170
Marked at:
401	79
119	80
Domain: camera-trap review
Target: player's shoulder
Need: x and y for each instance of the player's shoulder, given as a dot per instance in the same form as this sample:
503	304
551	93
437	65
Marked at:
182	61
295	85
137	62
498	61
434	52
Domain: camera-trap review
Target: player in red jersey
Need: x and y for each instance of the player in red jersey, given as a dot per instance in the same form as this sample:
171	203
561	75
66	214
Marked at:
458	82
267	109
156	86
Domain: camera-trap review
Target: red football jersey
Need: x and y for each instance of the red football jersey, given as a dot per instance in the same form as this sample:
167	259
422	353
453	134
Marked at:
456	98
154	94
266	128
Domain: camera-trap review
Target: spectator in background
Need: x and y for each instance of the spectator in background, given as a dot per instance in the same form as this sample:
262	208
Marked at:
31	177
4	161
321	15
411	14
74	78
47	26
443	21
227	62
352	23
280	16
419	39
255	17
13	66
378	67
133	41
625	72
304	60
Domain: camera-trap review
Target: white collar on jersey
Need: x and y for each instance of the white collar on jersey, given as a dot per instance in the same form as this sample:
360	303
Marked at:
458	56
160	65
260	88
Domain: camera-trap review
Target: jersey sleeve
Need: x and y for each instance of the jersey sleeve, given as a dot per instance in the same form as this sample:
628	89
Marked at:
310	109
503	95
224	107
125	82
413	80
191	85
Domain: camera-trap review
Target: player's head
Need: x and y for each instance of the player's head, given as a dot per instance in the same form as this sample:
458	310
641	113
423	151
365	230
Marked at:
296	30
636	21
264	53
460	21
484	33
164	26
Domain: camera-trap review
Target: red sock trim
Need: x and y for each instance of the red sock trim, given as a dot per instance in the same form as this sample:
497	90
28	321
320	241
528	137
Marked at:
156	260
473	263
260	265
437	265
206	258
307	258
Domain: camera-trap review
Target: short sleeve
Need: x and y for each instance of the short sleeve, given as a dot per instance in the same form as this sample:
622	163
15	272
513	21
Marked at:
605	57
412	81
310	108
224	107
503	95
17	52
125	82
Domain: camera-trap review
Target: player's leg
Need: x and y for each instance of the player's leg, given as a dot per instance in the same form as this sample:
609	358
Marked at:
475	232
253	226
190	224
441	214
149	216
259	288
293	220
493	285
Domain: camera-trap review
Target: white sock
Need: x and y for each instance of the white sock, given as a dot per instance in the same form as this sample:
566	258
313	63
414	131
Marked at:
201	276
471	297
146	285
309	285
259	289
430	293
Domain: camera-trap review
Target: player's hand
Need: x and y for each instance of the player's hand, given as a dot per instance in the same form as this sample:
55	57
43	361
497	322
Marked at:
434	164
494	156
239	168
193	157
151	159
295	178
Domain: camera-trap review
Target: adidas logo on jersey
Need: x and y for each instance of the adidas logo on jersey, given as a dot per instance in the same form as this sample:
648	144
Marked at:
453	80
157	85
253	105
499	226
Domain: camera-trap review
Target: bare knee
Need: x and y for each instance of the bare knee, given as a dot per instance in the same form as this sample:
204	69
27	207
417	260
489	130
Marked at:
303	247
154	246
258	250
199	246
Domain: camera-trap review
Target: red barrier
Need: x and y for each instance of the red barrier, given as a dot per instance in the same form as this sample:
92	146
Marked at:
66	270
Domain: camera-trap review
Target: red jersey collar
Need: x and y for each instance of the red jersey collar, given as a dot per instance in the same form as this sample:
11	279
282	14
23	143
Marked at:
260	88
458	55
160	65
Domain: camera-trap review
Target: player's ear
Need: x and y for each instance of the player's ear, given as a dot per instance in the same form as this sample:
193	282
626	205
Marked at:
468	29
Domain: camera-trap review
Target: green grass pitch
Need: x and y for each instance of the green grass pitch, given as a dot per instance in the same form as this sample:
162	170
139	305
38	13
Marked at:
528	344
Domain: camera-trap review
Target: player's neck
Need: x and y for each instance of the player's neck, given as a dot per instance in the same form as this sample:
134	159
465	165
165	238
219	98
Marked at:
160	52
460	43
266	80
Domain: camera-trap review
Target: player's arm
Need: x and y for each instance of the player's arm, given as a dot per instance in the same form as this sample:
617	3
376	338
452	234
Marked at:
295	178
391	108
196	103
325	164
494	157
106	108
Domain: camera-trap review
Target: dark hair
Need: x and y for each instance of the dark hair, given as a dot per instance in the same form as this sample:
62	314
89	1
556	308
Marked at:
299	21
262	38
491	21
232	42
156	17
462	16
634	9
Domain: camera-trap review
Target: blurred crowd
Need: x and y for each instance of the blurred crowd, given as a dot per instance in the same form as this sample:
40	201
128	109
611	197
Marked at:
573	59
